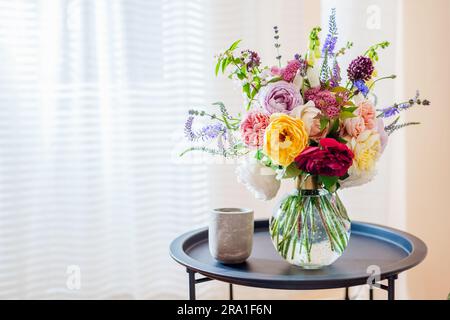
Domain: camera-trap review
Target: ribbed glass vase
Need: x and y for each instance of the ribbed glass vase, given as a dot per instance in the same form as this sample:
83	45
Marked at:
310	227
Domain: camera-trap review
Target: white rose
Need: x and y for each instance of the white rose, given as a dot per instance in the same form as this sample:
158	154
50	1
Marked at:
259	179
357	179
308	113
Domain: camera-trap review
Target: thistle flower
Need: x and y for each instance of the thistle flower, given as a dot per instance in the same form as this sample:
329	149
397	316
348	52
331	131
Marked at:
360	68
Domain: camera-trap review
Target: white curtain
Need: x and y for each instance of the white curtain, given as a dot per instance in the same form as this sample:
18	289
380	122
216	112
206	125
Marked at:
90	95
93	95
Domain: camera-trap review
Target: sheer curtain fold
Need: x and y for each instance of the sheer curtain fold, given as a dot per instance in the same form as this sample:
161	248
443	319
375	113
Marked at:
91	92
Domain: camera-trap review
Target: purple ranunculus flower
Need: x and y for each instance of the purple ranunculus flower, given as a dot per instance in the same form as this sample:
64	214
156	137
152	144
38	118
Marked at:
280	96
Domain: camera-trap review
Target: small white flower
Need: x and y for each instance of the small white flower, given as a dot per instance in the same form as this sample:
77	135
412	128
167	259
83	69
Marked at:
259	179
313	75
298	82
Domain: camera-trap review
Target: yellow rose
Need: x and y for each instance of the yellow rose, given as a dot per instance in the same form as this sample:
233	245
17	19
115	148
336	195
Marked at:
367	149
284	138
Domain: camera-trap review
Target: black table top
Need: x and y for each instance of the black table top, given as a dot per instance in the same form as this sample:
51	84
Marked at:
371	246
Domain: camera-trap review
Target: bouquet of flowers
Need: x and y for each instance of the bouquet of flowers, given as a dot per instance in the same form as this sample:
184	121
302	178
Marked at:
302	117
305	117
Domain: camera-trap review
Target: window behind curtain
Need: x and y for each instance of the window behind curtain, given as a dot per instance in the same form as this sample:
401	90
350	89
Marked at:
90	95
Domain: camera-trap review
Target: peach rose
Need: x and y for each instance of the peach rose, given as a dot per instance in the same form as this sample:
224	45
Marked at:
366	110
309	115
354	126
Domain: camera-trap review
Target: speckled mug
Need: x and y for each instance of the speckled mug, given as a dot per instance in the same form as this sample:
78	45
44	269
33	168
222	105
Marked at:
230	234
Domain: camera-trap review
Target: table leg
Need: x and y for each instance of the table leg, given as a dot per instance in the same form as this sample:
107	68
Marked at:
370	293
231	292
391	288
191	284
347	297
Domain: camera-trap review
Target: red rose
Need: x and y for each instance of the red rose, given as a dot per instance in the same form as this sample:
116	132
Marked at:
330	158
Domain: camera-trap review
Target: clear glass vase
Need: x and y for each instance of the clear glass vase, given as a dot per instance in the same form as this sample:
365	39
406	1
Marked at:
310	227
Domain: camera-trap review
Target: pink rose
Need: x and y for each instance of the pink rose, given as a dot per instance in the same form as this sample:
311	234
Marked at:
367	111
253	128
354	126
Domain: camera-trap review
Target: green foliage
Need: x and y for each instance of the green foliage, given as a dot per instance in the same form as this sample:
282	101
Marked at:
334	128
234	45
372	52
291	171
230	122
344	114
330	183
324	122
248	75
314	39
343	50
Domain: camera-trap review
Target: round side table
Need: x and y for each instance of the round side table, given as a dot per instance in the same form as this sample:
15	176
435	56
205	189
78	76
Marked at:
375	253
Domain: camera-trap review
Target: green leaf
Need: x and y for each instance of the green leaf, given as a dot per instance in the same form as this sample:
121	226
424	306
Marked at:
329	182
349	109
234	45
334	128
291	171
323	123
339	89
253	93
225	63
259	154
341	140
218	66
246	89
346	115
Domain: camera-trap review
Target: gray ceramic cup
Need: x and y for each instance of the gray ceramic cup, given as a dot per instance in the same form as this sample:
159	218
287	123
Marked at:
231	234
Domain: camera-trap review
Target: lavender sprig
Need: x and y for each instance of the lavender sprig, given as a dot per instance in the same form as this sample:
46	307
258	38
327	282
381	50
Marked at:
188	129
391	125
277	45
331	39
325	70
208	132
397	107
400	126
